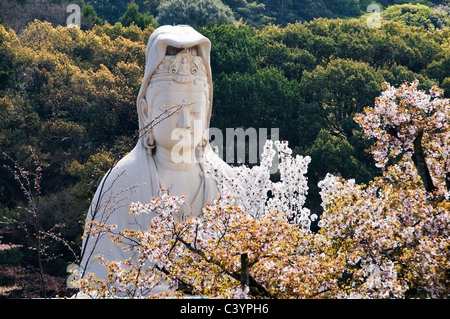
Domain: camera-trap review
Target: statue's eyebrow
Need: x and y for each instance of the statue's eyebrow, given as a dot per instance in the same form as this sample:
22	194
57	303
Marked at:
170	104
164	105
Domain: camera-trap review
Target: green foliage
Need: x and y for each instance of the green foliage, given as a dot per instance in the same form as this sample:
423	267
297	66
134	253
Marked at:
256	13
265	99
292	60
89	174
340	90
290	11
235	49
89	16
251	13
6	56
332	154
133	16
196	13
132	33
417	15
439	69
71	93
446	87
152	5
111	11
343	8
11	257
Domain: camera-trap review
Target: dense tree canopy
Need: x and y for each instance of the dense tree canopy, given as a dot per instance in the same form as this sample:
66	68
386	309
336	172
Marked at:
18	13
67	98
133	16
194	12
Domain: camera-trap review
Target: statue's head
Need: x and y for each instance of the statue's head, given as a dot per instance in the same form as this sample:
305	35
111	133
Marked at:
177	73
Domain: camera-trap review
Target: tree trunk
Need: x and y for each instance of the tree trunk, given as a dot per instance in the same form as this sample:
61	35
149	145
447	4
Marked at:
421	165
245	275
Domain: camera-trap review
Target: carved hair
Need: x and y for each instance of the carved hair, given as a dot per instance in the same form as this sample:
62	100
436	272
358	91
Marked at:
181	68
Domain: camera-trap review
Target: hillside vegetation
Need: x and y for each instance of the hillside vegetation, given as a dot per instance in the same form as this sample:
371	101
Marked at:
67	101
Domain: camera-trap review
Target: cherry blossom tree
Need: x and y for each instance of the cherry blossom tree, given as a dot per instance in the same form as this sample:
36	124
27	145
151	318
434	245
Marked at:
387	239
394	232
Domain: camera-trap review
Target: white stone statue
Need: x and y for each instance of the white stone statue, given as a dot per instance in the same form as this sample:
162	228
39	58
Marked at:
177	72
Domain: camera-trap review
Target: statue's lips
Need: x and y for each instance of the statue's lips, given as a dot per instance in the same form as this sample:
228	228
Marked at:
185	138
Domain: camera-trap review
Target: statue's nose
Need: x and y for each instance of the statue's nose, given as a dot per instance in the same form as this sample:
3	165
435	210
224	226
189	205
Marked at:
184	118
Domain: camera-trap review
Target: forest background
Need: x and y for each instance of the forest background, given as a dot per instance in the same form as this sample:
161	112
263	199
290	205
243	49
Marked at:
67	99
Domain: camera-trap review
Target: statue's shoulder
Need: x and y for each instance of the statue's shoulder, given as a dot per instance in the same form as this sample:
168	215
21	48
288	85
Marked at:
227	169
131	167
219	163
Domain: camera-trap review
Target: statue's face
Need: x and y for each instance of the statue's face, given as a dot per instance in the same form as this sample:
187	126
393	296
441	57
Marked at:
183	129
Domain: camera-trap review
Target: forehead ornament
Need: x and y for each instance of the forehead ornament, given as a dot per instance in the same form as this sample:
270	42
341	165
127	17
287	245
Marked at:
183	67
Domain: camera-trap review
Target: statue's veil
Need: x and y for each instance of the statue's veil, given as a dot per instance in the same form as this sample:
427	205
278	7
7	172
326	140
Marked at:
179	36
